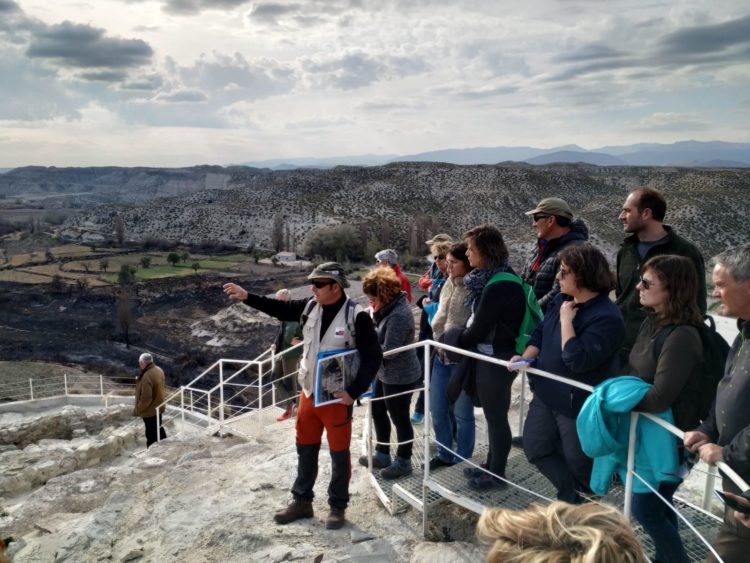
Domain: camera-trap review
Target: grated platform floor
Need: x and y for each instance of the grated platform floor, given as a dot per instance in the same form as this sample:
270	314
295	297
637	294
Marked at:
524	474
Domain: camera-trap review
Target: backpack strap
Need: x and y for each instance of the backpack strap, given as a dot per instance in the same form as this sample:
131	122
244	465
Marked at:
306	312
505	276
660	338
350	314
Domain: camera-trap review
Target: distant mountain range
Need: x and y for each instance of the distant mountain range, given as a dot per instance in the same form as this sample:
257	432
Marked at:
693	154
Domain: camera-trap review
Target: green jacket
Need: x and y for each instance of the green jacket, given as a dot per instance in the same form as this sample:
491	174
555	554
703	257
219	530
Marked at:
629	270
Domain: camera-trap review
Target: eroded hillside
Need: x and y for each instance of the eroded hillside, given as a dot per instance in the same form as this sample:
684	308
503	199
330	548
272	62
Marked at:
707	206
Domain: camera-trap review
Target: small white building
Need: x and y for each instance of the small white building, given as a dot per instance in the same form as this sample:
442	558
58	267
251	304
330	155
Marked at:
286	257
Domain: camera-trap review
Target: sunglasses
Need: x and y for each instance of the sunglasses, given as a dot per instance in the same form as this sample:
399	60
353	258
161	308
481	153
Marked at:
439	257
539	216
647	284
322	284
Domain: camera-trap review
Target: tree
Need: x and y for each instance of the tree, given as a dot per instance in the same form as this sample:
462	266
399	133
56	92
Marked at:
173	258
57	283
341	242
124	309
196	266
126	275
145	261
103	265
119	230
277	233
184	255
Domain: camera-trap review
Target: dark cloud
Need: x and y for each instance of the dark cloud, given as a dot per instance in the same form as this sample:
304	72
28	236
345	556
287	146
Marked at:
183	96
104	76
357	70
6	7
83	46
708	39
191	7
309	14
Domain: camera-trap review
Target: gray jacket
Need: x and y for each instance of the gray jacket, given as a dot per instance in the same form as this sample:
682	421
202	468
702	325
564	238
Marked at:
394	325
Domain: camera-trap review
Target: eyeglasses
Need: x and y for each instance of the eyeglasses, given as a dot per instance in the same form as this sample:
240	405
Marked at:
439	257
563	272
646	283
539	216
321	284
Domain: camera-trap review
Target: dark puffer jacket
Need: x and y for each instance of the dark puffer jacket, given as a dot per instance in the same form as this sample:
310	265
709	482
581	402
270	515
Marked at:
394	324
542	278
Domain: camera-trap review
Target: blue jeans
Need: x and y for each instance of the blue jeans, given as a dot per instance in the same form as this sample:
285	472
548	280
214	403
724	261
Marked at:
660	522
463	410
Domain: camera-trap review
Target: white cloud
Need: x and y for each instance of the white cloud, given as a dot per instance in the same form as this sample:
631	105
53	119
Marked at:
348	76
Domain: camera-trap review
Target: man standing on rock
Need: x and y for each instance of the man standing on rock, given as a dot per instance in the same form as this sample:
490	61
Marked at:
149	394
330	321
642	217
555	229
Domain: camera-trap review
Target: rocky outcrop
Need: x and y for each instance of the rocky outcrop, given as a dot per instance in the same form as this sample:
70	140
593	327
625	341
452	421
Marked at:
46	447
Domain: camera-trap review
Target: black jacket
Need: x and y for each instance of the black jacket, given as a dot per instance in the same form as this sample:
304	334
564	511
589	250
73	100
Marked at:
542	278
629	270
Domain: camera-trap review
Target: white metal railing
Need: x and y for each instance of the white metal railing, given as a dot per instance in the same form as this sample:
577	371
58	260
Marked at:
66	384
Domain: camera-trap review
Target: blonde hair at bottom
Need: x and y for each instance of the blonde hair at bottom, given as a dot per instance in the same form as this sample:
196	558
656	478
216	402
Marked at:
559	533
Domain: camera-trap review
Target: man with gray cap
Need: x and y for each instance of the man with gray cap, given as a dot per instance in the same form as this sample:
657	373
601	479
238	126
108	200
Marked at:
149	394
555	228
326	325
389	257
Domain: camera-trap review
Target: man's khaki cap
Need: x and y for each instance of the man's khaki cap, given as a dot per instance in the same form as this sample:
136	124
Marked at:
330	271
442	237
553	206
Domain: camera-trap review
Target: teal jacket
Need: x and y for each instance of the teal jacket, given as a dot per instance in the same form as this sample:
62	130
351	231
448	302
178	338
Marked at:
604	427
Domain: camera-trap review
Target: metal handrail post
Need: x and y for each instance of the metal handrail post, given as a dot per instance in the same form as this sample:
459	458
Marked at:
31	389
708	490
627	508
65	382
182	403
158	426
260	397
208	410
426	436
273	371
522	405
101	384
221	396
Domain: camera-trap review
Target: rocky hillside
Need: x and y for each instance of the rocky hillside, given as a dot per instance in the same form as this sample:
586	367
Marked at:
238	205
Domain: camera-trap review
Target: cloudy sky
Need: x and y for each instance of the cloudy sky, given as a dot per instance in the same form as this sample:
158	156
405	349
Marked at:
183	82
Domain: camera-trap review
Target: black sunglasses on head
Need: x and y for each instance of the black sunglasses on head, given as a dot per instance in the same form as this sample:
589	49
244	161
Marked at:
321	284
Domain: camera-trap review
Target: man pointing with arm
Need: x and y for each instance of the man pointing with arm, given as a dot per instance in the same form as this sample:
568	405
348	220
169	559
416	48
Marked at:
325	327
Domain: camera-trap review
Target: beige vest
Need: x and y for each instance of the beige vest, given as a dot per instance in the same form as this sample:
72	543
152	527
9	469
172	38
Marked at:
336	337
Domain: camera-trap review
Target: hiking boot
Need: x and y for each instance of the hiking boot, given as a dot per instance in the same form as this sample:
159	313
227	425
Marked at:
336	518
437	462
486	482
400	467
287	414
417	418
296	510
472	471
379	460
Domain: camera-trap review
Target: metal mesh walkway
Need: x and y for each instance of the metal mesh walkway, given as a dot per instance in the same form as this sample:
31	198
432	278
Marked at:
449	483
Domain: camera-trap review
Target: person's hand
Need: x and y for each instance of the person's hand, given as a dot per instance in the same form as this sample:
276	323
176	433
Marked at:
568	311
234	291
711	453
296	341
695	439
344	396
744	519
426	301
